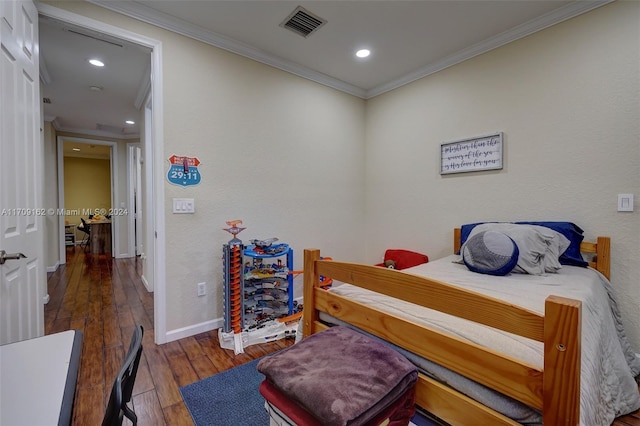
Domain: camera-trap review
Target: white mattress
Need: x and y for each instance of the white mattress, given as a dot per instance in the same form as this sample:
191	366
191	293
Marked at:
608	388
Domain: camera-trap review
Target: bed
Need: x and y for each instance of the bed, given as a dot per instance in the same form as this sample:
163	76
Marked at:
545	380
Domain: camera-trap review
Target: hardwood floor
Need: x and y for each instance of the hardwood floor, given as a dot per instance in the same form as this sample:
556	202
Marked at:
104	298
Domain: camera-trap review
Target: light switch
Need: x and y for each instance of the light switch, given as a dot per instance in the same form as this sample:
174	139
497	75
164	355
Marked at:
625	202
184	205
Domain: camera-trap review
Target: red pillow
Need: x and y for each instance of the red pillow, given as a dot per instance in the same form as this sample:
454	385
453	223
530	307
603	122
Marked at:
405	258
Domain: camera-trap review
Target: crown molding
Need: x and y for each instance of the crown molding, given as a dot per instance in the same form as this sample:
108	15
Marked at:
544	21
95	133
167	22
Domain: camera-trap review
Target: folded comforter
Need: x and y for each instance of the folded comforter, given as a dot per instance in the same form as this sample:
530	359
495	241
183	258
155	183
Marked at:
339	376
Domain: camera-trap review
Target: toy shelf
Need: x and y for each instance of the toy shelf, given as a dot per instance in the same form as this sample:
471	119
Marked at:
268	285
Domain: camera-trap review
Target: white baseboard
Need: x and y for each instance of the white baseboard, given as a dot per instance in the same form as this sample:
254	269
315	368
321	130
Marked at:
146	284
54	267
192	330
203	327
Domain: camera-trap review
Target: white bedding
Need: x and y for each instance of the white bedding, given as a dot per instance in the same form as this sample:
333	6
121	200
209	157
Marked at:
608	388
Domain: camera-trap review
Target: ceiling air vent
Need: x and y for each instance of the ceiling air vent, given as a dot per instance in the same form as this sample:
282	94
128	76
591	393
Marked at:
303	22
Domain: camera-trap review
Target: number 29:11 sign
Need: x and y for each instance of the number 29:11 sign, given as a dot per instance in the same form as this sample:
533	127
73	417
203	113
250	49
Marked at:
472	154
184	170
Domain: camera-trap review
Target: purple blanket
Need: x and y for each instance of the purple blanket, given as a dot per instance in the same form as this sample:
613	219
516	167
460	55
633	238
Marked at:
340	376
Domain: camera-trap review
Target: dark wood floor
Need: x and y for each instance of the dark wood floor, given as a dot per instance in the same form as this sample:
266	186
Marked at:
104	298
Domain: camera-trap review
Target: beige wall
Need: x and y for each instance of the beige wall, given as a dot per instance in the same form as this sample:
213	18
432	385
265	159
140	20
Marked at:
87	187
279	152
568	102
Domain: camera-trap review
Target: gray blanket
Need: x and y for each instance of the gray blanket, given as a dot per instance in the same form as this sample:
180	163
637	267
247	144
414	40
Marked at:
339	376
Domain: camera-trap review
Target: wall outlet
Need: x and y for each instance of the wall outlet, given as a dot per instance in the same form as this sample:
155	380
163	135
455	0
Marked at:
201	289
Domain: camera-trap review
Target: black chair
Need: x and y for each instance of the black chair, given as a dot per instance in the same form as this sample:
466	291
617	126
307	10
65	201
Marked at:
84	227
123	384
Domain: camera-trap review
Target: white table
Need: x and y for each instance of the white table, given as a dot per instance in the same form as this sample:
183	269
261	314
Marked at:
38	379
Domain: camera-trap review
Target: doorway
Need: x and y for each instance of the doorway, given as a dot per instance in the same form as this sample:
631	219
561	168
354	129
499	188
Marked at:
87	185
153	143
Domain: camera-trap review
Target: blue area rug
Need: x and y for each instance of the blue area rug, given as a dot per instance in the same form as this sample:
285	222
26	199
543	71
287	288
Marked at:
230	398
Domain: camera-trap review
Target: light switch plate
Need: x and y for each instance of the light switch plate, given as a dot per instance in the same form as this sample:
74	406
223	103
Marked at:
625	202
184	205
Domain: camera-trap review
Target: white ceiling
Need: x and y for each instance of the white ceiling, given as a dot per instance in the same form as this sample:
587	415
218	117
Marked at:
407	39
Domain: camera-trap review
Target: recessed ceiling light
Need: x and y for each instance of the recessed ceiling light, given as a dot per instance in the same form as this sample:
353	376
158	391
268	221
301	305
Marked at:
76	149
130	122
96	62
363	53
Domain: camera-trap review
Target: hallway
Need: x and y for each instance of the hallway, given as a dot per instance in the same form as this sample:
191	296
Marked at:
104	298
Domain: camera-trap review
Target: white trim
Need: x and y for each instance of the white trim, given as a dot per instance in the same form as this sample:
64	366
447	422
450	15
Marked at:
53	268
192	330
158	203
170	23
158	145
148	220
130	201
60	168
98	133
146	283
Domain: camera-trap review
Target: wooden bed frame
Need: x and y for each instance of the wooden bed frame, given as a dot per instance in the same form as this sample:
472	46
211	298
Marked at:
555	390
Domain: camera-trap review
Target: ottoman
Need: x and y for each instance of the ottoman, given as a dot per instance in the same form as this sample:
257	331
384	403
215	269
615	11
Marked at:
339	377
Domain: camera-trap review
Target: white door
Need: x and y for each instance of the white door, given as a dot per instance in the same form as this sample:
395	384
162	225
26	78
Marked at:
22	281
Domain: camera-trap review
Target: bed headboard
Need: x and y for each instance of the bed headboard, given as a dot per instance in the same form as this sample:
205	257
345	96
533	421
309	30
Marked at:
601	251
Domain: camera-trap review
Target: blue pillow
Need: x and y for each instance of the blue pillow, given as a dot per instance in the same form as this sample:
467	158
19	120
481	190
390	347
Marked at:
572	255
490	252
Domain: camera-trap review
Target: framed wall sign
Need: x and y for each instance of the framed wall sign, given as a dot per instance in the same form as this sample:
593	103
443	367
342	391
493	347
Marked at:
472	154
